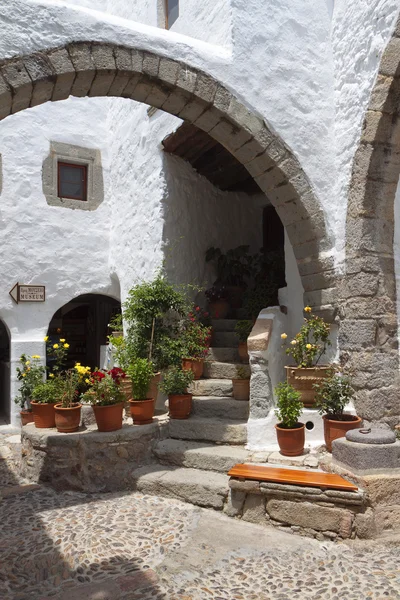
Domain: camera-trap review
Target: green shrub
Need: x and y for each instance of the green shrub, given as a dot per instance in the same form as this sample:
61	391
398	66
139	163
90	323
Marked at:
49	392
176	381
289	406
243	329
30	374
140	372
242	373
333	394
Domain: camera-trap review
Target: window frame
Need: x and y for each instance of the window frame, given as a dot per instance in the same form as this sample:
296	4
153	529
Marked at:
81	167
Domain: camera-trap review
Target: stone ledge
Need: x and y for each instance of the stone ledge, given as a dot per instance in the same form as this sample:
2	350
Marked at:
260	335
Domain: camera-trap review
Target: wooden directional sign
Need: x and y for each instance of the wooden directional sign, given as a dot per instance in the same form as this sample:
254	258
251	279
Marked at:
28	293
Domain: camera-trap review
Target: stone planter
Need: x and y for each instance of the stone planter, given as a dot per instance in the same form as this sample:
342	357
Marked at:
303	380
142	411
219	309
180	406
109	418
243	352
291	441
241	389
194	365
335	429
44	415
26	417
67	419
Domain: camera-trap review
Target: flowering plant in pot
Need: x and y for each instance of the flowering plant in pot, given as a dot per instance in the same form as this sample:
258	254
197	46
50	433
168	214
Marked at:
241	384
30	374
46	395
332	396
243	329
289	432
68	410
307	347
195	340
107	399
217	299
141	407
175	385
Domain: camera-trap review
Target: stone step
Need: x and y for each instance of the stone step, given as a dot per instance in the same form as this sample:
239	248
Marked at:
228	431
229	355
200	455
220	408
223	324
223	370
202	488
224	339
211	387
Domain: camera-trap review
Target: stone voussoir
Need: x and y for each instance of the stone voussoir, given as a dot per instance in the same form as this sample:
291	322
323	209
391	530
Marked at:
20	83
64	72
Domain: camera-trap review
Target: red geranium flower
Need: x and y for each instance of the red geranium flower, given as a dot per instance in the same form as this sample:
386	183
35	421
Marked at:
98	375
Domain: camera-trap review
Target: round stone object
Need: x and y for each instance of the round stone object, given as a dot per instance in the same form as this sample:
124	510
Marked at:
375	436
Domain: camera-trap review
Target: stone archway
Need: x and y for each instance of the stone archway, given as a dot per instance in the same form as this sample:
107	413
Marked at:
369	331
100	69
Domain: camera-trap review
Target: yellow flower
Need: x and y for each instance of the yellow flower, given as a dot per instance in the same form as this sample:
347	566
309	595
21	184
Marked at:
66	345
308	346
77	364
55	346
87	380
28	369
51	374
284	336
293	342
35	356
28	362
308	309
23	374
62	340
46	338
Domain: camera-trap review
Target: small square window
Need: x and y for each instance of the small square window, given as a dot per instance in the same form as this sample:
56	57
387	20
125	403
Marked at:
72	181
171	12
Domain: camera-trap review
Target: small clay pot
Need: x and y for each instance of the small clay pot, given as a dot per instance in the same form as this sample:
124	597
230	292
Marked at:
44	415
180	406
142	411
335	429
291	441
194	365
26	417
243	352
109	418
68	419
241	389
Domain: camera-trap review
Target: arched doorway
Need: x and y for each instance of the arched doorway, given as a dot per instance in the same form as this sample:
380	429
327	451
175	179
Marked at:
5	408
83	322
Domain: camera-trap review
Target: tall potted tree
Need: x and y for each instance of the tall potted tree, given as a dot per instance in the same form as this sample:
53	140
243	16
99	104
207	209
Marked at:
332	396
141	407
175	385
290	433
30	373
307	348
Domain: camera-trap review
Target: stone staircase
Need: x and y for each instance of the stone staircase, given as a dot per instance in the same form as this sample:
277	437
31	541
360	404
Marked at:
199	451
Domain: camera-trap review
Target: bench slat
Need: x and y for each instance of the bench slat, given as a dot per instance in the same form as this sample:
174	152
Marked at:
292	477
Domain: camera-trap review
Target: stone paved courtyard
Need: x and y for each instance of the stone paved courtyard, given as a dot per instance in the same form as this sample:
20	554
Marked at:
74	546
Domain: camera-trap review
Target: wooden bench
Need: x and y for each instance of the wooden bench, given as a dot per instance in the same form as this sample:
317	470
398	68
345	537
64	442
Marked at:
292	477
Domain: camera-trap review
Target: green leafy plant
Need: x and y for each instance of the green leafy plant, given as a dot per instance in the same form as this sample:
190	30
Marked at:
261	295
333	394
104	389
116	323
216	292
288	406
30	374
49	391
69	388
233	267
243	329
195	340
140	372
311	342
176	381
242	373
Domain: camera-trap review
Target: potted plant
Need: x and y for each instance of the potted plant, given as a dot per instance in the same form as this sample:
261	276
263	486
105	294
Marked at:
243	329
107	400
30	374
116	325
217	300
241	384
46	395
141	407
233	268
307	348
332	396
195	340
289	432
175	384
68	411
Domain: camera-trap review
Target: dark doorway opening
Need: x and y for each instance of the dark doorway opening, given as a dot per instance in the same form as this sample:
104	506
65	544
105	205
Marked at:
83	322
5	406
274	246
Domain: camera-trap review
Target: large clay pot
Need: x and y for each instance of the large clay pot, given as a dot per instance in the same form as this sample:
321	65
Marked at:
291	441
26	417
44	415
335	429
180	406
194	365
109	418
243	352
303	380
153	387
68	419
142	411
241	389
219	308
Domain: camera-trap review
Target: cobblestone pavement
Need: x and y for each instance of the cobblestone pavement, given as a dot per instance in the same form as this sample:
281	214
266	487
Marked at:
74	546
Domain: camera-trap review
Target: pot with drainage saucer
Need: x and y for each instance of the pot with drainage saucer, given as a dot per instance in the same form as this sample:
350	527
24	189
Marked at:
289	431
332	396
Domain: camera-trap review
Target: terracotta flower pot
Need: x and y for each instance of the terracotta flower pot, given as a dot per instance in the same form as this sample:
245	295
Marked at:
243	352
291	441
153	387
180	406
241	389
44	415
108	418
303	380
219	309
26	417
142	411
68	419
334	429
194	365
